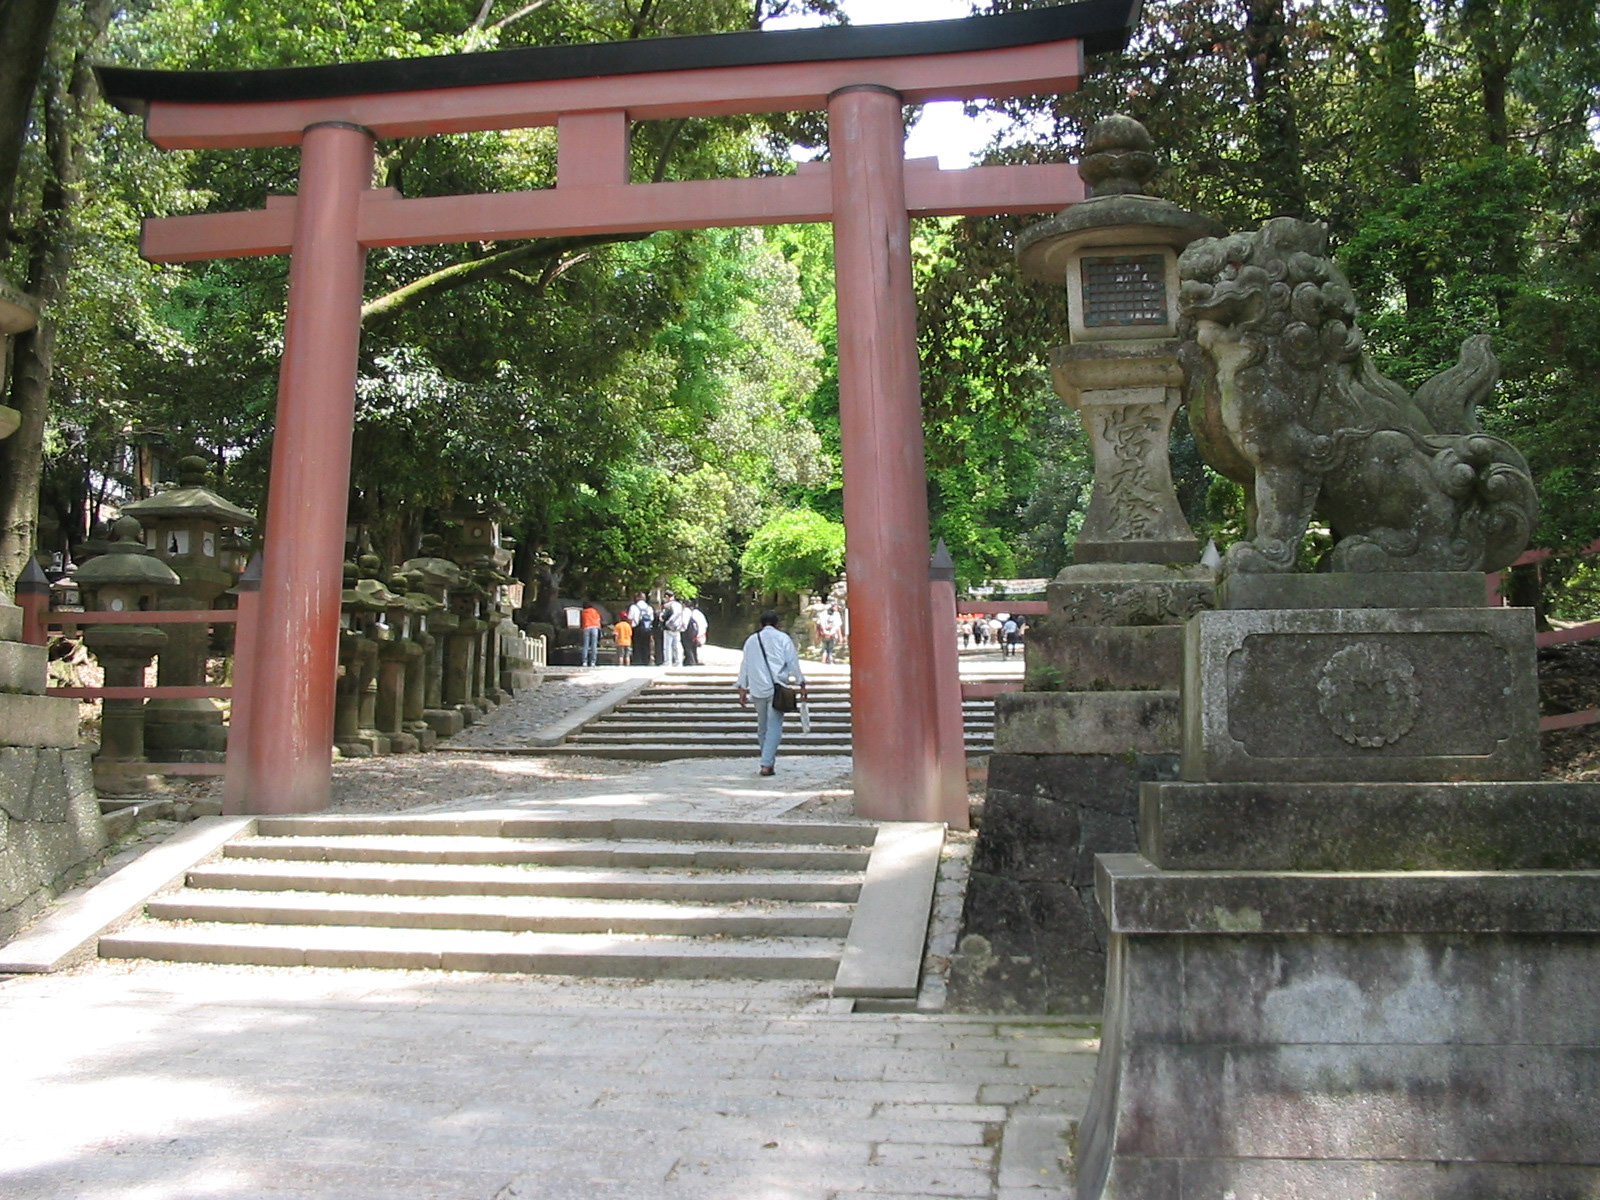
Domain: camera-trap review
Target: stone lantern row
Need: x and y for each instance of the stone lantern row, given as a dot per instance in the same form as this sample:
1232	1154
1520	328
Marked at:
428	648
424	650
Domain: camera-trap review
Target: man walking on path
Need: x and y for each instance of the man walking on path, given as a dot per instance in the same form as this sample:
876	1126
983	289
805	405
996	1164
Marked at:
674	620
829	627
589	631
642	617
769	657
695	636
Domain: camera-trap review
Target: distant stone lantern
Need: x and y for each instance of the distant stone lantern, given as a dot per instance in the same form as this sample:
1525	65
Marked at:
190	528
437	577
1117	254
124	579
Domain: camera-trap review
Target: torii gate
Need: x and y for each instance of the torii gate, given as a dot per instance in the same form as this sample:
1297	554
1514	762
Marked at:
862	76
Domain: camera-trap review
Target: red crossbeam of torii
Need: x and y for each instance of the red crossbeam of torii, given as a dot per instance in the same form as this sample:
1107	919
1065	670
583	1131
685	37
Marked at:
862	77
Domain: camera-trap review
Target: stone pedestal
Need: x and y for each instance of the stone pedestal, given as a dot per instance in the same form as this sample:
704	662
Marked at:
124	651
396	659
460	668
412	703
1377	981
1064	780
1127	394
519	670
444	721
50	826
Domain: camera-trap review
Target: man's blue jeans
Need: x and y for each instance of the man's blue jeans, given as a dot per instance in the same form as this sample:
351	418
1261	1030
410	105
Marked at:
591	646
769	728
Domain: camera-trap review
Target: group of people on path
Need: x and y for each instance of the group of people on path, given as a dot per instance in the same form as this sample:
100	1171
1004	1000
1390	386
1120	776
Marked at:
673	634
1006	632
647	636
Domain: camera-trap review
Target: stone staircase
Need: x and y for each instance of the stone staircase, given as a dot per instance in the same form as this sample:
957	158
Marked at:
623	897
696	714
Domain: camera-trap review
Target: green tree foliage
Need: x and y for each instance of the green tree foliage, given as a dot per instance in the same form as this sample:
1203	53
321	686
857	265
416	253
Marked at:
634	404
796	550
1450	146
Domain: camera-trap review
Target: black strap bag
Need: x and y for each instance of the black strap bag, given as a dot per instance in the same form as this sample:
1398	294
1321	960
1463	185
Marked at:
784	698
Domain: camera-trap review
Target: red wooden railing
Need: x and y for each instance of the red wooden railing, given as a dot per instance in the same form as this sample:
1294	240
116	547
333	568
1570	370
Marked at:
43	622
1555	637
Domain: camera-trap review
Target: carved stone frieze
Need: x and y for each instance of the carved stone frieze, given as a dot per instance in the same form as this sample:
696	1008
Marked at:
1369	698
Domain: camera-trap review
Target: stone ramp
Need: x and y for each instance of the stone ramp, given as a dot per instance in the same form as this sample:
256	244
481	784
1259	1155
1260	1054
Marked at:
695	713
602	897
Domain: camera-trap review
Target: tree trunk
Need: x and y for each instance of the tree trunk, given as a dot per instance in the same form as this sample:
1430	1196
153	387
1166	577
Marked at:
1273	117
24	38
66	100
1400	128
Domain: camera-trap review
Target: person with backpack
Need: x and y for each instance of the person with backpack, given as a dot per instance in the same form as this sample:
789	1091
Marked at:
770	660
674	619
695	637
642	617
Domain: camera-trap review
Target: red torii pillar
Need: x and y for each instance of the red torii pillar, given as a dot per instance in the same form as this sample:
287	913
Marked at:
591	93
894	732
289	710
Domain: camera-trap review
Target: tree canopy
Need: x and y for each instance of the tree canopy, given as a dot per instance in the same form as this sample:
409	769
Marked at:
664	407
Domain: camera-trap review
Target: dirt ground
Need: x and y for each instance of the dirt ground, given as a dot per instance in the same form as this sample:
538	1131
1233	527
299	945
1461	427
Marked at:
1569	681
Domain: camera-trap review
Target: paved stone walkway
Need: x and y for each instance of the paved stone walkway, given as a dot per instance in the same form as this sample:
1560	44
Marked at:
169	1081
155	1081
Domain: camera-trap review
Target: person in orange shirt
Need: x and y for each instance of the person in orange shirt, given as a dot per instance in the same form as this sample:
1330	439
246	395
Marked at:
623	631
589	630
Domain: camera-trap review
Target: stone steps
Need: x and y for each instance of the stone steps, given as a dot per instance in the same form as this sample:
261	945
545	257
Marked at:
540	914
696	714
620	897
443	879
611	955
552	852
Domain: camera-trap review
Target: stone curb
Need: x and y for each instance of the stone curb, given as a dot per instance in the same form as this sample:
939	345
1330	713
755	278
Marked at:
73	929
883	955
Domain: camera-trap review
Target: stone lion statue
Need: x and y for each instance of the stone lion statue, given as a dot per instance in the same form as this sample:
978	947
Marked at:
1283	399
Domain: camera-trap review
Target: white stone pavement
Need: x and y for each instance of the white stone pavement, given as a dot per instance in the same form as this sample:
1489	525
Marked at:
150	1081
168	1081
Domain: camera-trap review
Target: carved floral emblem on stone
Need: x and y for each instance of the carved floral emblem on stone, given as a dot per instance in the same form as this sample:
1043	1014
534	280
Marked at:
1369	695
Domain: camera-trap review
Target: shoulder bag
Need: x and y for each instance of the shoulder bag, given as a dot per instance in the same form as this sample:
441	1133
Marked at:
784	698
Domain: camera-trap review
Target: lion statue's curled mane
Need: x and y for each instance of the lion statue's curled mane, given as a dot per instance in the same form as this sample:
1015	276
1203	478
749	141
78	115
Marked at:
1283	399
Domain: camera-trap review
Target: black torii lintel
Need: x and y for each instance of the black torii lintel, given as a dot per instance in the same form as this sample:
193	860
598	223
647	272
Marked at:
1102	25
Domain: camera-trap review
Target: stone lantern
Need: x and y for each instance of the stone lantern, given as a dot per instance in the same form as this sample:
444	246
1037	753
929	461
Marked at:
438	577
1098	715
190	528
124	579
399	657
1117	255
